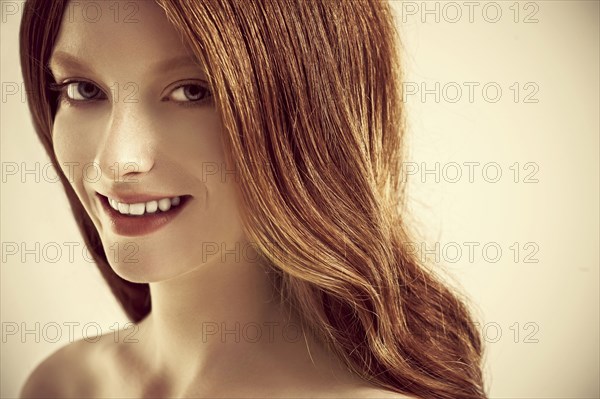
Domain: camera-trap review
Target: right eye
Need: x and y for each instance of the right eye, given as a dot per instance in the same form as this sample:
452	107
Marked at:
82	91
77	92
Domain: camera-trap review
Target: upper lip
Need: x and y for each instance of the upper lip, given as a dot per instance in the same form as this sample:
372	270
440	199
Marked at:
135	198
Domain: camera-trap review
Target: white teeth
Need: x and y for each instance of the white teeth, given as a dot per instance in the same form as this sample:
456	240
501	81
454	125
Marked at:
164	204
123	208
142	208
137	209
114	204
151	206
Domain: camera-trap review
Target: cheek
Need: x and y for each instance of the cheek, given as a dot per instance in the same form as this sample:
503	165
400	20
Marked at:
74	152
223	209
74	134
197	140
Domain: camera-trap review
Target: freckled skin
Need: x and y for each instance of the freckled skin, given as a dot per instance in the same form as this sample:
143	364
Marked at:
172	147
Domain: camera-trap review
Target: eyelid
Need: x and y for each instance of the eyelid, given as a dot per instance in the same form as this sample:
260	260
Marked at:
59	86
62	88
63	96
186	82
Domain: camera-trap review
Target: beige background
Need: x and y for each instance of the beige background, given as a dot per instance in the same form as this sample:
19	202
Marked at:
540	320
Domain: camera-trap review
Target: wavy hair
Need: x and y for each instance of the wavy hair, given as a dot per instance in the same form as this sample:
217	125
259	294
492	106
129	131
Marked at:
309	95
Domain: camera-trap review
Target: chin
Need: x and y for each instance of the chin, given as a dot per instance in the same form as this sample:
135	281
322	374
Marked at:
145	261
140	274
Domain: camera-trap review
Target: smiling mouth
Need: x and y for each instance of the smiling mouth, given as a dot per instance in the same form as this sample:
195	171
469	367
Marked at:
142	218
145	208
148	208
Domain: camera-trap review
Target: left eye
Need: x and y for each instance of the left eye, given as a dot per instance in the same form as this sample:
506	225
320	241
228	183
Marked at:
189	92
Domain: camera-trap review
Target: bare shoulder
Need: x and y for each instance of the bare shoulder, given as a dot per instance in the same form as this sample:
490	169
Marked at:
68	372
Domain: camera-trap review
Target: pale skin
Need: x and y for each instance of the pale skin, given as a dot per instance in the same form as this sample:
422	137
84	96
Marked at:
169	143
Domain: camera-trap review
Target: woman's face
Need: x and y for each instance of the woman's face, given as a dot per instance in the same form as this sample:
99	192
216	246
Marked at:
137	130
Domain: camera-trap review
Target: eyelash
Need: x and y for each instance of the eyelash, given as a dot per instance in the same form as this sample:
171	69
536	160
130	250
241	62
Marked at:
64	98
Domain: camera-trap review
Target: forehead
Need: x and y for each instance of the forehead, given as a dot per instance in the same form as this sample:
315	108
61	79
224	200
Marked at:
133	33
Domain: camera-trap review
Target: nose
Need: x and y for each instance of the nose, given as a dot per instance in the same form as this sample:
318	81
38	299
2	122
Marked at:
128	149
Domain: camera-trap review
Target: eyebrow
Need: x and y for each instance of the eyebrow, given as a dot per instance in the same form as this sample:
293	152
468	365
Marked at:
67	60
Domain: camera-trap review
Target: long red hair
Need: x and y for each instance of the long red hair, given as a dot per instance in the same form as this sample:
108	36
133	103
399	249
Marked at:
309	95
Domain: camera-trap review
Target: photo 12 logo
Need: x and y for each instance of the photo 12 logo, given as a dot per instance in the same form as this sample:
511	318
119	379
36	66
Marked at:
469	172
454	12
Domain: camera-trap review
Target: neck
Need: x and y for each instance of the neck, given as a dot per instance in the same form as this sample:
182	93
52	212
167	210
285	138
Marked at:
222	322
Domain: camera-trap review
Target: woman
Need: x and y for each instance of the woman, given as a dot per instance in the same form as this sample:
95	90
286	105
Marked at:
233	167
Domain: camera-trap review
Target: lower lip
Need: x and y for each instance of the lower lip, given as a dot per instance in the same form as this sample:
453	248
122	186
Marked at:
133	226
